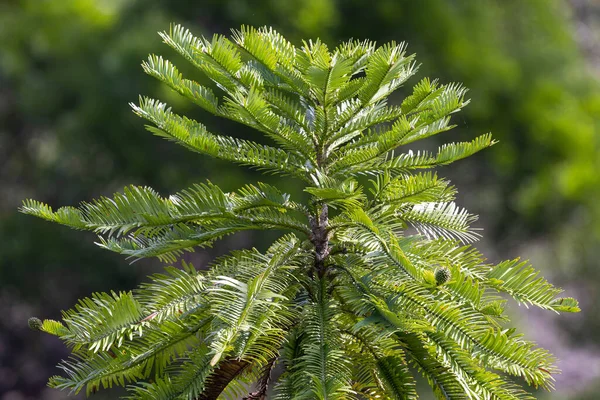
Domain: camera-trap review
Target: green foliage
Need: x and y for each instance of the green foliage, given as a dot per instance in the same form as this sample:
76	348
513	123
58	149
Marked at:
349	300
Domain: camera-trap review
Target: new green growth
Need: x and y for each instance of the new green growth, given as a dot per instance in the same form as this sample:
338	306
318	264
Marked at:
372	281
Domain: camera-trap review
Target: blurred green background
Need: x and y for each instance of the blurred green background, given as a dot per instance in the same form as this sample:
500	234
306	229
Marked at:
68	68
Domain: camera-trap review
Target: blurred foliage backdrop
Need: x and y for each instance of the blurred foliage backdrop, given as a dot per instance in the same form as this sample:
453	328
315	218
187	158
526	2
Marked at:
68	68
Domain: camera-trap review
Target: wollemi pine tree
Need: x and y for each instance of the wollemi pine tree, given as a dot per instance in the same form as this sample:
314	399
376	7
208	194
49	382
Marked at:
349	303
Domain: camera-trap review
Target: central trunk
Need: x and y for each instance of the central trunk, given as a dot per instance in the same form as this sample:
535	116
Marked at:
320	238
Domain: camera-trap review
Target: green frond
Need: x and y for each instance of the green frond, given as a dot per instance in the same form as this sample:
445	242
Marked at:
422	91
325	73
467	327
166	72
413	189
194	136
474	379
357	51
378	137
55	328
220	60
345	195
431	101
465	258
507	352
140	223
383	245
102	320
171	294
445	220
167	244
289	108
452	152
351	119
69	216
252	109
522	281
93	374
446	154
386	69
378	364
467	289
472	332
373	163
275	54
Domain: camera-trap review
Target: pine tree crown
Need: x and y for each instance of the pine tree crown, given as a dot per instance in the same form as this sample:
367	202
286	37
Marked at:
349	302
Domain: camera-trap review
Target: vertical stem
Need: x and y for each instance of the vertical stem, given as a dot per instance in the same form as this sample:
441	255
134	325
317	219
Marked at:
318	225
320	238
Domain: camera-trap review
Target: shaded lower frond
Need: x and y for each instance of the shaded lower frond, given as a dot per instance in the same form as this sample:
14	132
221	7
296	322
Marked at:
255	303
476	381
99	371
180	310
136	359
395	378
510	353
473	332
291	380
221	377
468	327
323	368
187	380
395	331
263	381
443	381
142	327
378	363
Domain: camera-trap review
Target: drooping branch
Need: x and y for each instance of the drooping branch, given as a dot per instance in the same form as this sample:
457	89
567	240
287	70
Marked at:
263	383
221	377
